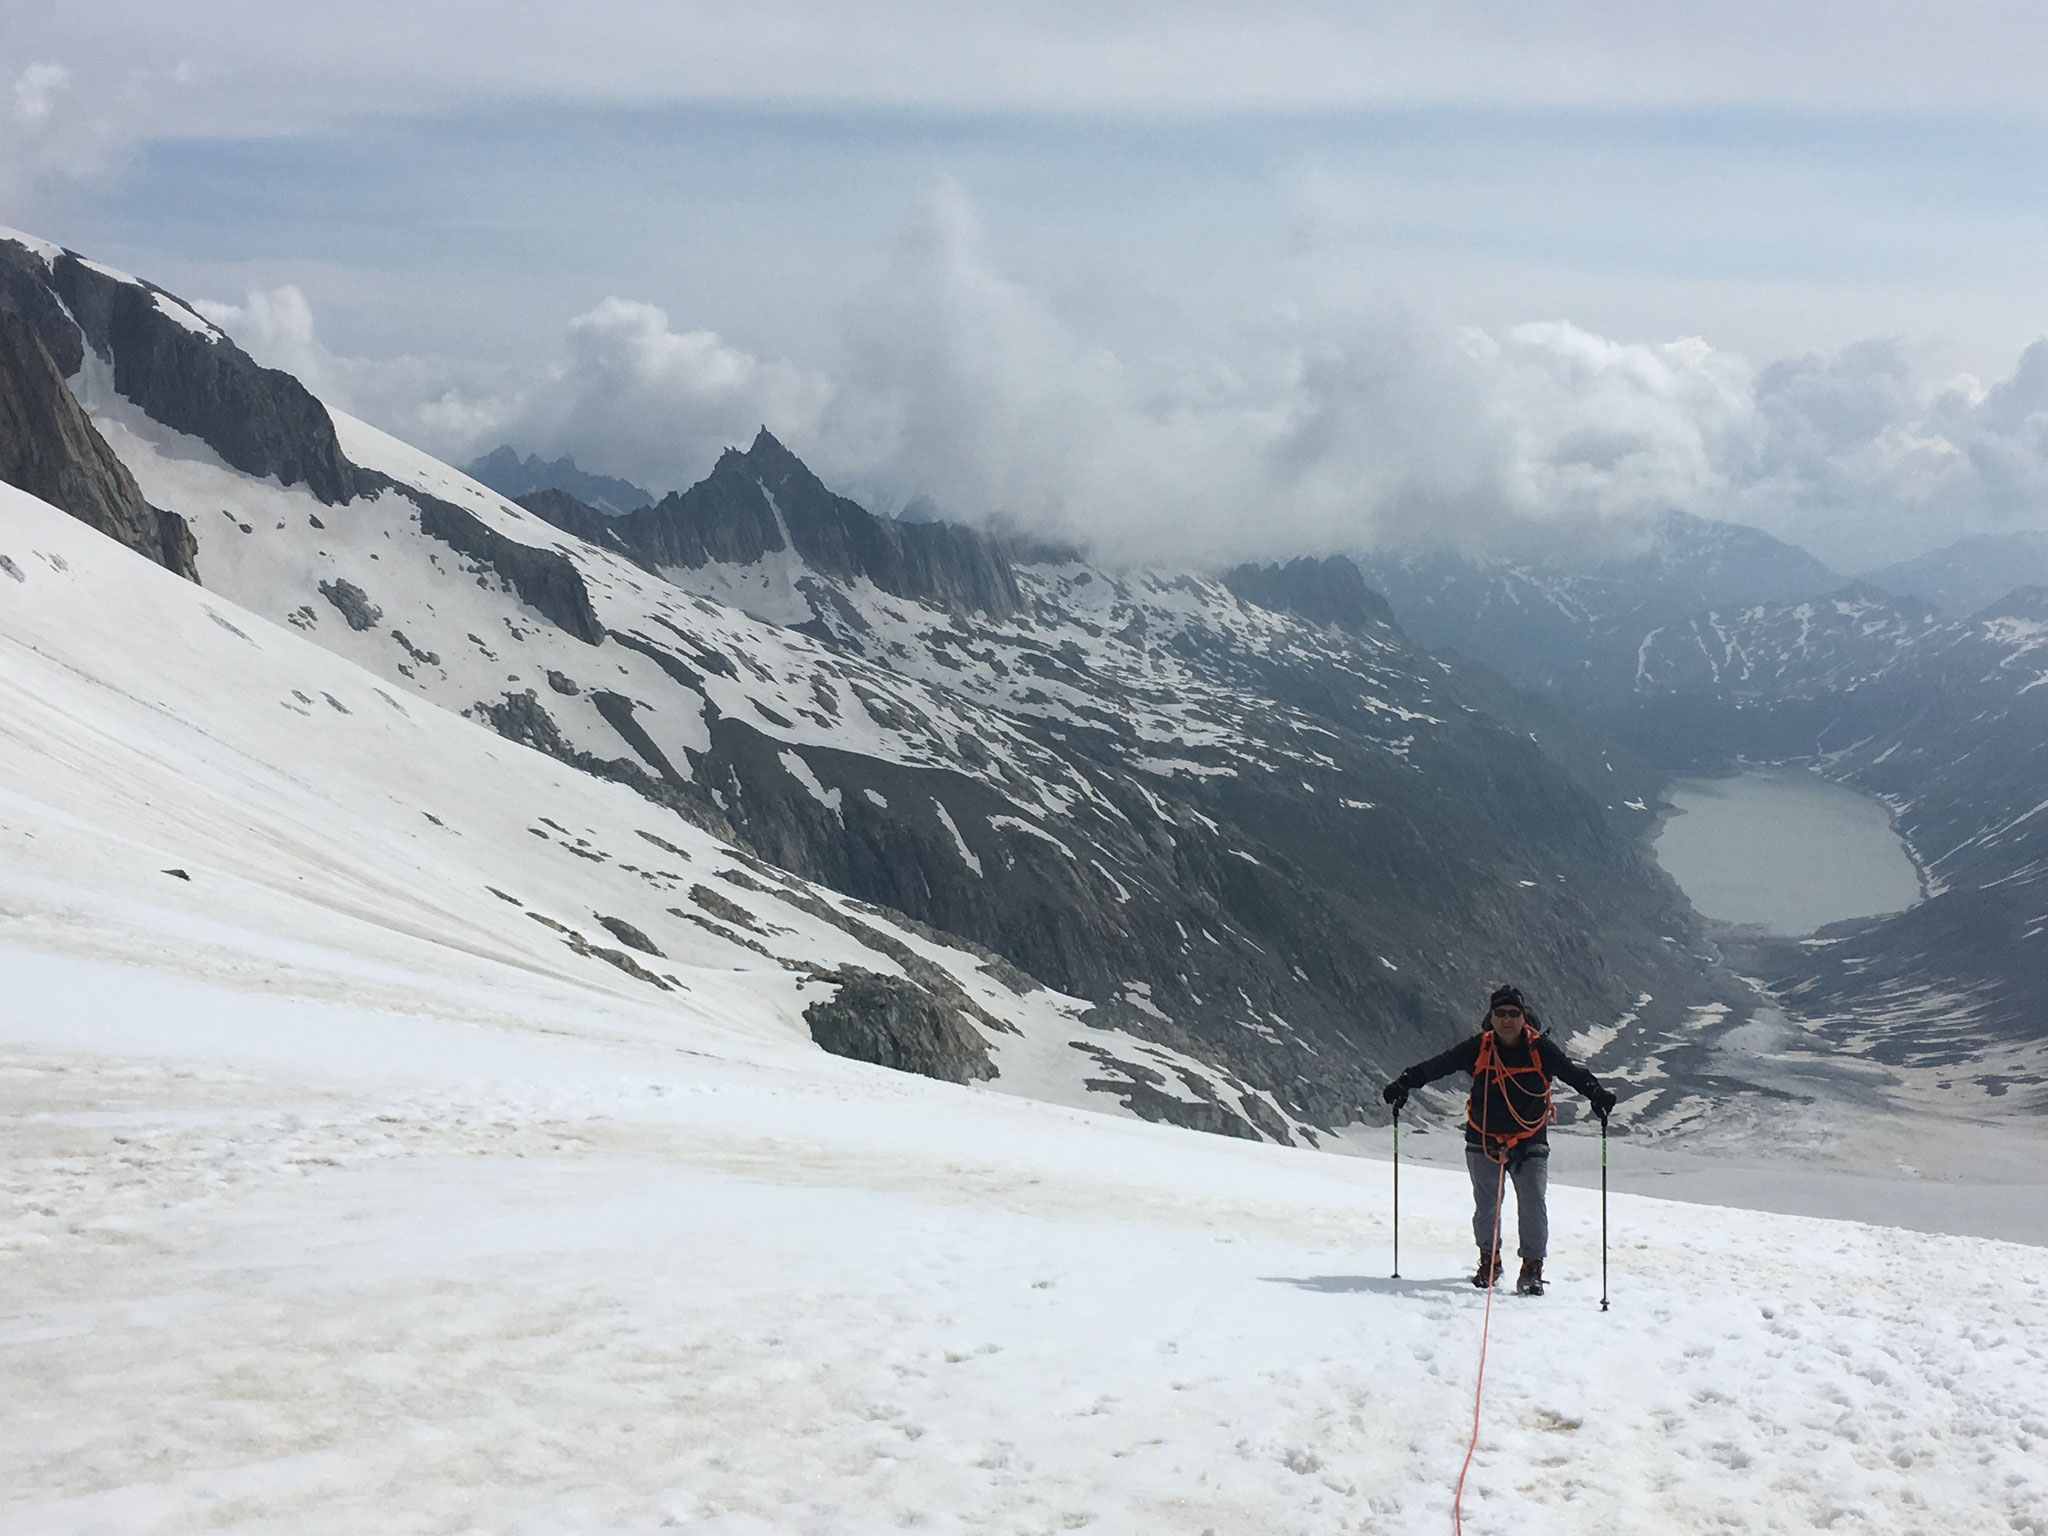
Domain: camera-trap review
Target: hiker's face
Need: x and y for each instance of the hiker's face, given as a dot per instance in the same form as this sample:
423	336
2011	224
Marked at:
1508	1024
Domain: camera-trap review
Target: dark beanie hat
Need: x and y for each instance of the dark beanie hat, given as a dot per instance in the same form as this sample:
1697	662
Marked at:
1508	995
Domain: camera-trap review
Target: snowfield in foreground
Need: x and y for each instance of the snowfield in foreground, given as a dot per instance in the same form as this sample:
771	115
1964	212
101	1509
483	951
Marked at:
339	1195
279	1266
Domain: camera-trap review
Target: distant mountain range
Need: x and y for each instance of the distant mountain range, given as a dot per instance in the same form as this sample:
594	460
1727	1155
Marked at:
1232	842
1944	718
507	473
1569	626
1971	573
1268	846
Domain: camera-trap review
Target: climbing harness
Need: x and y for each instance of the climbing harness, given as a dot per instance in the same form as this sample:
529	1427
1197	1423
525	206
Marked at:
1493	1077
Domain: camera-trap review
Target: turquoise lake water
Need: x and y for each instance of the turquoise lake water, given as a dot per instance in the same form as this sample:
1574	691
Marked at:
1786	849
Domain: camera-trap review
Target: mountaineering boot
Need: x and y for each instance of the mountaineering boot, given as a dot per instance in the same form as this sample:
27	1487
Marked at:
1488	1270
1530	1281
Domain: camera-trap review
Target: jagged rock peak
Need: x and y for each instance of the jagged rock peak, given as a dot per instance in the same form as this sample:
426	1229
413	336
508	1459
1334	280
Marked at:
50	448
1328	591
765	500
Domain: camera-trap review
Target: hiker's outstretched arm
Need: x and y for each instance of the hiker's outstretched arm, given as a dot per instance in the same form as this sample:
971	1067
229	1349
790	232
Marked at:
1462	1057
1558	1064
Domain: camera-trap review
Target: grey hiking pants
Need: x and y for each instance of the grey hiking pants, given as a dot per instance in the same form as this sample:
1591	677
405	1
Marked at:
1529	1172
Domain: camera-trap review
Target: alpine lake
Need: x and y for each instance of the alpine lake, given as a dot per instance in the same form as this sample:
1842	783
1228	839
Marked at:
1785	850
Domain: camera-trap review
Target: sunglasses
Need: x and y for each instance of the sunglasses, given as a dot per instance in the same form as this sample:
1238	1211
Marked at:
1509	1012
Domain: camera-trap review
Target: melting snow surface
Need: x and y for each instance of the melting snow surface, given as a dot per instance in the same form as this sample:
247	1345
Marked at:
343	1195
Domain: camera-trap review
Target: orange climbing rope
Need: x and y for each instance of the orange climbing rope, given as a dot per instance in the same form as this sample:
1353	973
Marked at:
1489	1071
1485	1327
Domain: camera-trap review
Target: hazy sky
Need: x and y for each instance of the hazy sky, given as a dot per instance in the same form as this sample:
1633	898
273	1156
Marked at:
1209	279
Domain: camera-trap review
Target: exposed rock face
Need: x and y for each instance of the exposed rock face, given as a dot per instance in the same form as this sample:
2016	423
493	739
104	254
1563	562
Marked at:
521	717
543	577
50	448
353	604
621	534
894	1023
630	936
1328	591
177	368
741	512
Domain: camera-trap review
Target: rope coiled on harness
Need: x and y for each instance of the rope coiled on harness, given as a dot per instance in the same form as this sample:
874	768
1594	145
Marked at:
1492	1077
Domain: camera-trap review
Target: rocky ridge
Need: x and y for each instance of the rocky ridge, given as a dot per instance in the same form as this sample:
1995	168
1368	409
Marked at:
1270	837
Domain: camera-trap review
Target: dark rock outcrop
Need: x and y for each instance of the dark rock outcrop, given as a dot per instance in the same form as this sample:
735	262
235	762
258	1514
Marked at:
740	511
630	936
521	717
545	578
182	373
353	604
50	448
1328	591
586	522
894	1023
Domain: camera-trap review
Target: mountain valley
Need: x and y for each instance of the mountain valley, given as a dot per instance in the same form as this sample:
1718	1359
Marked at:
1237	820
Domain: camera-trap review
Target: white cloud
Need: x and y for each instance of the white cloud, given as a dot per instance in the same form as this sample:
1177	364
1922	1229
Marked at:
36	90
1305	434
275	326
47	132
652	403
629	396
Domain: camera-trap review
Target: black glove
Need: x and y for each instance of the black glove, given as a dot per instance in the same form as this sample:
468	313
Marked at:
1603	1103
1395	1094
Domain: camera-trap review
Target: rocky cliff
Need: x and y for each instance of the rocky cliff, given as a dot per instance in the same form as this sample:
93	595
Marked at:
764	502
178	368
50	448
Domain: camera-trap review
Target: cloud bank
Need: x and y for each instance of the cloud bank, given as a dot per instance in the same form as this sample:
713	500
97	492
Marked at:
1318	434
92	81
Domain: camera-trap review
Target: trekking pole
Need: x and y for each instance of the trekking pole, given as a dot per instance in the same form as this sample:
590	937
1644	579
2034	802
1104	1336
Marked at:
1397	1194
1603	1213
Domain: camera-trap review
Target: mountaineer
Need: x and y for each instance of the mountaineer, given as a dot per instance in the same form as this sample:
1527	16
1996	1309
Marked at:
1511	1062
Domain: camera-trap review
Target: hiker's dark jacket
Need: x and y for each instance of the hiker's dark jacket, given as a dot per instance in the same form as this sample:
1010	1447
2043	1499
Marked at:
1504	1111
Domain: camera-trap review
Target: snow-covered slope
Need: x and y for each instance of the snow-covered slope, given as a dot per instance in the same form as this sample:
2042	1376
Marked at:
342	1194
1293	848
347	831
